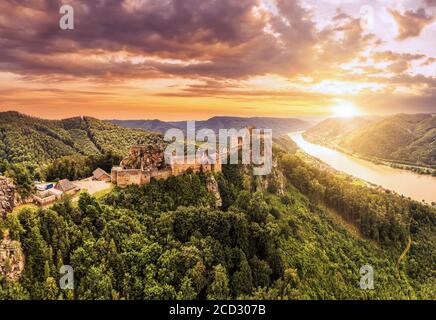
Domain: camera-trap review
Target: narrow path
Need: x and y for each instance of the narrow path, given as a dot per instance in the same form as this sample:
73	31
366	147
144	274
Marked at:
403	255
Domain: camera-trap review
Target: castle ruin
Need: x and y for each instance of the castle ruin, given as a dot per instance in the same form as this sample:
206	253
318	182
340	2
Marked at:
148	162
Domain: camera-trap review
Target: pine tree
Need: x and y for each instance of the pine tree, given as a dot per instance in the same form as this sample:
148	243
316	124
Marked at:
219	289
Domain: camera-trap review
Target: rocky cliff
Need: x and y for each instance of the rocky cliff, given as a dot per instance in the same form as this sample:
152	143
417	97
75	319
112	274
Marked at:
273	182
212	187
7	196
145	157
11	259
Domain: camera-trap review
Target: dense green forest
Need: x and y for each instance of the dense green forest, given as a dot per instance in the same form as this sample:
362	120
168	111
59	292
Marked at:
274	238
404	138
34	142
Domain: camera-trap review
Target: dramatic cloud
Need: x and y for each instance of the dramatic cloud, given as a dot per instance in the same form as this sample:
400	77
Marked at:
231	55
228	38
139	38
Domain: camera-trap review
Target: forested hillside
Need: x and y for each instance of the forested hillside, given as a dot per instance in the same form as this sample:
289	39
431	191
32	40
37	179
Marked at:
401	138
274	238
333	129
34	142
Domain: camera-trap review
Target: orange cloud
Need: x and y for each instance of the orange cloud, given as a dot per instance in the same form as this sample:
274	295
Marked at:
411	23
193	58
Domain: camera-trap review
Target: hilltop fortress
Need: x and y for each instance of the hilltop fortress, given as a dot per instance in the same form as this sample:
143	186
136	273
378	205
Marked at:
146	162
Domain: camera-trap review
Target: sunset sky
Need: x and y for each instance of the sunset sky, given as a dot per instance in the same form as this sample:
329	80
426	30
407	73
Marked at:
193	59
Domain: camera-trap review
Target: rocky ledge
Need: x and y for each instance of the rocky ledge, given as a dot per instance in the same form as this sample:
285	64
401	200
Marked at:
7	196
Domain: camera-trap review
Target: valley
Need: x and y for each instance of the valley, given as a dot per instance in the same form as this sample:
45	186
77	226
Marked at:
405	140
409	184
302	232
226	153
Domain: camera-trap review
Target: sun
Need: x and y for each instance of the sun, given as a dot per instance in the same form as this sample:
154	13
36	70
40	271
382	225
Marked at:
345	109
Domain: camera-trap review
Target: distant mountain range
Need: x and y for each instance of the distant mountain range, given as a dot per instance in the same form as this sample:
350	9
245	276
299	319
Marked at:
408	138
36	142
278	125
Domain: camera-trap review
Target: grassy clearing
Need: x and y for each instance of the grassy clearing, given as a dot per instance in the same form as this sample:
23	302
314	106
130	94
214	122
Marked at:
102	193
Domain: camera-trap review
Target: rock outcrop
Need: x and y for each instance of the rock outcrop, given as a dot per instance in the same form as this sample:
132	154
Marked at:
12	259
276	183
273	183
147	157
212	187
7	196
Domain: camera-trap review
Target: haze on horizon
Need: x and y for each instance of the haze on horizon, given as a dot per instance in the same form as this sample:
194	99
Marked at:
194	59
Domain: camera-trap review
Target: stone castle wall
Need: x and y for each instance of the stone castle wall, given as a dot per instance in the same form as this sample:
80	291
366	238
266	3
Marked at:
127	177
180	168
124	175
124	178
161	174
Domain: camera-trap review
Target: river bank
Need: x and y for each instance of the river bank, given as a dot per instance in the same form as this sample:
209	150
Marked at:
413	167
402	182
418	169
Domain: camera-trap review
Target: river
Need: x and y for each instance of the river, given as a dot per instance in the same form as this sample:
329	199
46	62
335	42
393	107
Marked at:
407	183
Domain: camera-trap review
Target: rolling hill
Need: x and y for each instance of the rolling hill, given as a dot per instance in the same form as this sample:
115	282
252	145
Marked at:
406	138
34	141
279	125
331	130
